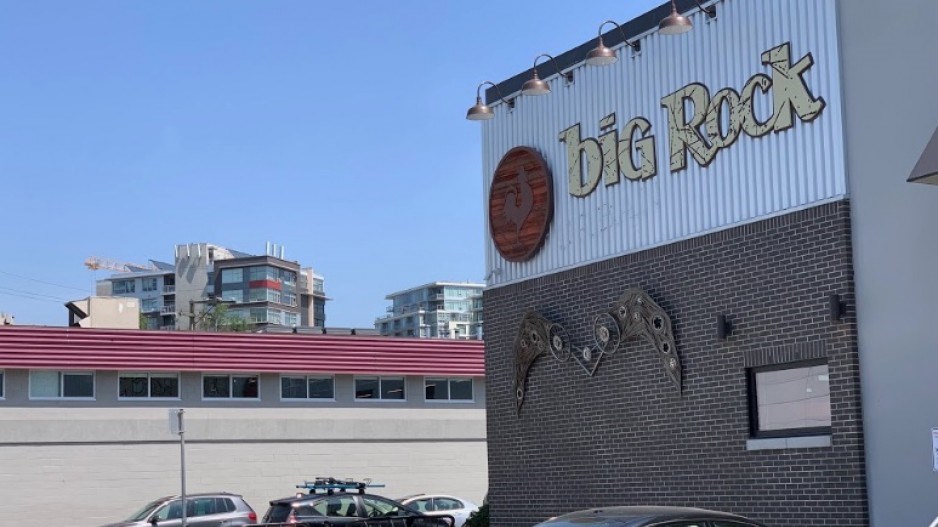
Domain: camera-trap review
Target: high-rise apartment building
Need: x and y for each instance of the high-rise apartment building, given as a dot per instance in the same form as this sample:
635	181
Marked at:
261	290
436	310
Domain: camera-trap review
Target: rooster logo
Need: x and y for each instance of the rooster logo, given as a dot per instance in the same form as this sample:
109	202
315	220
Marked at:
520	204
519	201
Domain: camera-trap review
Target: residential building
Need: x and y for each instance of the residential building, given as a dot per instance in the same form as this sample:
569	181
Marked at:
85	427
711	266
262	290
436	310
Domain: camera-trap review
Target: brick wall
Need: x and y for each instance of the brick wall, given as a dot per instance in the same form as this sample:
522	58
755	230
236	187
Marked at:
624	436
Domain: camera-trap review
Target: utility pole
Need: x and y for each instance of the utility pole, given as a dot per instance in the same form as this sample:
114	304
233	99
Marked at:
177	426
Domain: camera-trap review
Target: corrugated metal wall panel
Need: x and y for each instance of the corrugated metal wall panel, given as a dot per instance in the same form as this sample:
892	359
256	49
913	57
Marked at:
749	180
63	348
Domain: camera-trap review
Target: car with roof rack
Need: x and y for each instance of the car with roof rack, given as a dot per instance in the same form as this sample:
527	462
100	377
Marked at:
332	502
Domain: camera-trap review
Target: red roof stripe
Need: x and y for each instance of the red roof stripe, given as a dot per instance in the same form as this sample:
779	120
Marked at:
102	349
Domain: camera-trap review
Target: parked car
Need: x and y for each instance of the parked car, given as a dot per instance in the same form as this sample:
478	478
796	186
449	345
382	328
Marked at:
649	517
330	502
441	504
219	509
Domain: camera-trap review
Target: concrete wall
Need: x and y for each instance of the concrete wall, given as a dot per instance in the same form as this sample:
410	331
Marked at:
623	436
890	82
100	464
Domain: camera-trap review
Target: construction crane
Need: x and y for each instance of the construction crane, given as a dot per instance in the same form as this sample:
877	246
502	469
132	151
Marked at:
94	263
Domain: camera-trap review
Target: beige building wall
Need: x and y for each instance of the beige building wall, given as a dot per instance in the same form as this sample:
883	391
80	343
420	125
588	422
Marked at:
101	464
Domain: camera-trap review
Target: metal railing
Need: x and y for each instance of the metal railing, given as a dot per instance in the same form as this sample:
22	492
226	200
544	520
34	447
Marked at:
168	309
167	289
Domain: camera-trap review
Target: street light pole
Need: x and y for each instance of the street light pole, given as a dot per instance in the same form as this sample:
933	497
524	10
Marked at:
182	465
177	425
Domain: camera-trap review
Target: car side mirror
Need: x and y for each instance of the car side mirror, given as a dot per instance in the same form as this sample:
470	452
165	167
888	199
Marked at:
153	520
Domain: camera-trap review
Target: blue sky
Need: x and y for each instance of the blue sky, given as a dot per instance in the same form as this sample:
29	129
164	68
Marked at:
335	129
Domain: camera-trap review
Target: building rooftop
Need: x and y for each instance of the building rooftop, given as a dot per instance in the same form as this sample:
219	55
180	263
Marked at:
436	284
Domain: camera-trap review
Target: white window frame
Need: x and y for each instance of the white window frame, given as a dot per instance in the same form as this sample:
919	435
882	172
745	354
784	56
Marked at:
449	391
380	378
306	378
61	374
149	375
231	377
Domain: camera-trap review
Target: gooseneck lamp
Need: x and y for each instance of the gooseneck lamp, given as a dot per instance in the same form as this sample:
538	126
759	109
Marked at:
677	24
602	55
481	112
536	86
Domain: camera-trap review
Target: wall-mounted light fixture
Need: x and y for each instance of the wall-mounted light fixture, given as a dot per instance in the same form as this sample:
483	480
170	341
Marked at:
536	86
837	308
602	55
676	23
724	328
481	112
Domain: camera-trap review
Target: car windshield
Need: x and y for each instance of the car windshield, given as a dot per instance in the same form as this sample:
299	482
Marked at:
145	511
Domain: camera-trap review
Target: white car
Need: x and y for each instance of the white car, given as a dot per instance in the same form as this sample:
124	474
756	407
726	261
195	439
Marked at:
441	504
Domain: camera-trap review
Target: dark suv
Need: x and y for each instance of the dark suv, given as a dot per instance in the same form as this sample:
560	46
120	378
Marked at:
220	509
330	502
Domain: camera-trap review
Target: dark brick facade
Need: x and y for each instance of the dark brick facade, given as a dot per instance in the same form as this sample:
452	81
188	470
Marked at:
624	437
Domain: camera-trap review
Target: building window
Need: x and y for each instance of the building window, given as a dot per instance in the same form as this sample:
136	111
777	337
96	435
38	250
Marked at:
289	299
790	400
148	305
265	272
148	284
379	388
448	389
1	385
230	387
301	387
148	386
61	385
257	294
232	276
122	287
235	295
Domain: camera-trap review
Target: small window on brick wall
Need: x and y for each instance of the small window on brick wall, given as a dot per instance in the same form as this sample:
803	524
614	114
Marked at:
790	400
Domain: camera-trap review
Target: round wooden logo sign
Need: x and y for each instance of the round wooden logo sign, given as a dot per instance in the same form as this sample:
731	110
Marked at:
521	204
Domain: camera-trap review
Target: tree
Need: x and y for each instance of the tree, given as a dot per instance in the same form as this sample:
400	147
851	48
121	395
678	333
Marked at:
218	318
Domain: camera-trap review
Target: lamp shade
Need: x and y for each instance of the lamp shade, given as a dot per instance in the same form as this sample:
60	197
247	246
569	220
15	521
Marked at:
675	23
926	170
601	55
480	112
535	86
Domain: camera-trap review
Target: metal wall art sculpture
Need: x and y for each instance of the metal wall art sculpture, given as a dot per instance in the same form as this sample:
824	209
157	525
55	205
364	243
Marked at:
536	336
635	314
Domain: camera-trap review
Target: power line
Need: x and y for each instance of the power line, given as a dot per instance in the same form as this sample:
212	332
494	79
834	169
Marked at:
28	297
32	293
43	281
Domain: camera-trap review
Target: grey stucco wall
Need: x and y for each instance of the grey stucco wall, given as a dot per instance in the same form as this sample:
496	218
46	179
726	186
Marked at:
890	83
101	464
624	437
